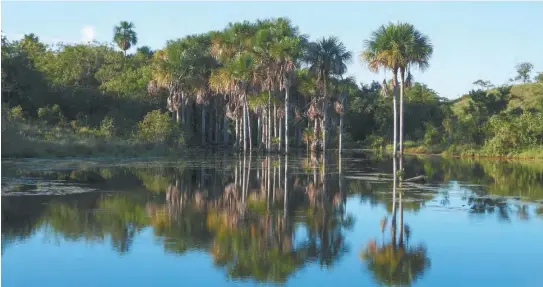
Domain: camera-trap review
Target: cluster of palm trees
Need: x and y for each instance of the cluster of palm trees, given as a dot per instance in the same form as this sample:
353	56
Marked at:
248	72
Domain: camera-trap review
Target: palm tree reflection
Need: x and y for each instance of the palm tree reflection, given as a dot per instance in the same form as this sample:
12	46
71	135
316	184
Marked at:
395	262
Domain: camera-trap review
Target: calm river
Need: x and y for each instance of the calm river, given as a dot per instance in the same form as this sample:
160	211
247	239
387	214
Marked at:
235	220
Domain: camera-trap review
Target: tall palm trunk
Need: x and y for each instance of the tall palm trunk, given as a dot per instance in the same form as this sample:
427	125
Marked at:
244	125
217	123
402	91
341	127
268	137
249	129
210	124
237	131
395	113
225	130
315	135
264	130
259	132
340	134
183	108
203	124
287	106
274	120
177	119
325	118
280	133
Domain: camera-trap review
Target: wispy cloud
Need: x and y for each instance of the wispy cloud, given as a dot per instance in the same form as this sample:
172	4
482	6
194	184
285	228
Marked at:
88	33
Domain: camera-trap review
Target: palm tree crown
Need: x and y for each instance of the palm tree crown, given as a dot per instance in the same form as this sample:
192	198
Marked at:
125	36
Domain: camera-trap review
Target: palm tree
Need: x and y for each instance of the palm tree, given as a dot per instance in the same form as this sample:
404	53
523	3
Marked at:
326	57
345	88
417	50
377	55
397	47
125	36
286	51
232	48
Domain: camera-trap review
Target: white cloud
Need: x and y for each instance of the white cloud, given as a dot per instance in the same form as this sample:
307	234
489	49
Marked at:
87	33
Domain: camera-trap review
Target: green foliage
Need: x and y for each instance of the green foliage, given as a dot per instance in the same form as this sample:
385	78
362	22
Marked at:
16	113
524	70
376	141
51	115
107	96
107	126
431	136
157	127
509	133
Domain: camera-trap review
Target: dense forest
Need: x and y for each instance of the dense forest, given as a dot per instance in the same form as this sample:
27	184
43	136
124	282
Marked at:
262	86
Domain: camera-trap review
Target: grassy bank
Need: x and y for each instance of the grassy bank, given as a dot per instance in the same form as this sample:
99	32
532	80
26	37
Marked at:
470	151
35	138
57	142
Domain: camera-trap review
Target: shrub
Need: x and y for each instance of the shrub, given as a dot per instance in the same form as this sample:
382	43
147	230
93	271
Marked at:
376	141
431	135
51	115
107	127
16	113
157	127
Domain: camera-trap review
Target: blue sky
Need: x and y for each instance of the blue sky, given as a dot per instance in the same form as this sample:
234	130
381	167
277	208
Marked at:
472	40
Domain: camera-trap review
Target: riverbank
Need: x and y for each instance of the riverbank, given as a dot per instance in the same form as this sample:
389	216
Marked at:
466	151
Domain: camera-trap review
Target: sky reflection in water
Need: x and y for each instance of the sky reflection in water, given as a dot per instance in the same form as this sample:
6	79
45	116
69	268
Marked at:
222	220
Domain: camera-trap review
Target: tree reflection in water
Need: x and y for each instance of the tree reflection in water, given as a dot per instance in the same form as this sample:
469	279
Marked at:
395	261
245	213
260	218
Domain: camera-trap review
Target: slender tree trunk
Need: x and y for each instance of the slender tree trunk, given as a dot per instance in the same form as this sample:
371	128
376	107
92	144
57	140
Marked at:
340	133
259	132
395	114
280	133
274	120
264	130
287	109
211	123
244	126
249	128
183	108
268	137
315	135
217	125
177	119
325	120
402	91
237	131
225	130
203	124
241	131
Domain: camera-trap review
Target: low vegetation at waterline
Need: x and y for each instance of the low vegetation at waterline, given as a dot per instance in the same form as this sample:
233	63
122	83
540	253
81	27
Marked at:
254	85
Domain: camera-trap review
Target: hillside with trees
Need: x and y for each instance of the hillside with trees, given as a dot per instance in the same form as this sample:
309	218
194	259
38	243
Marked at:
261	86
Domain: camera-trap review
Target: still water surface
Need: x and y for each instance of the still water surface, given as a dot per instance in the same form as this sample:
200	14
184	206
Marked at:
229	220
